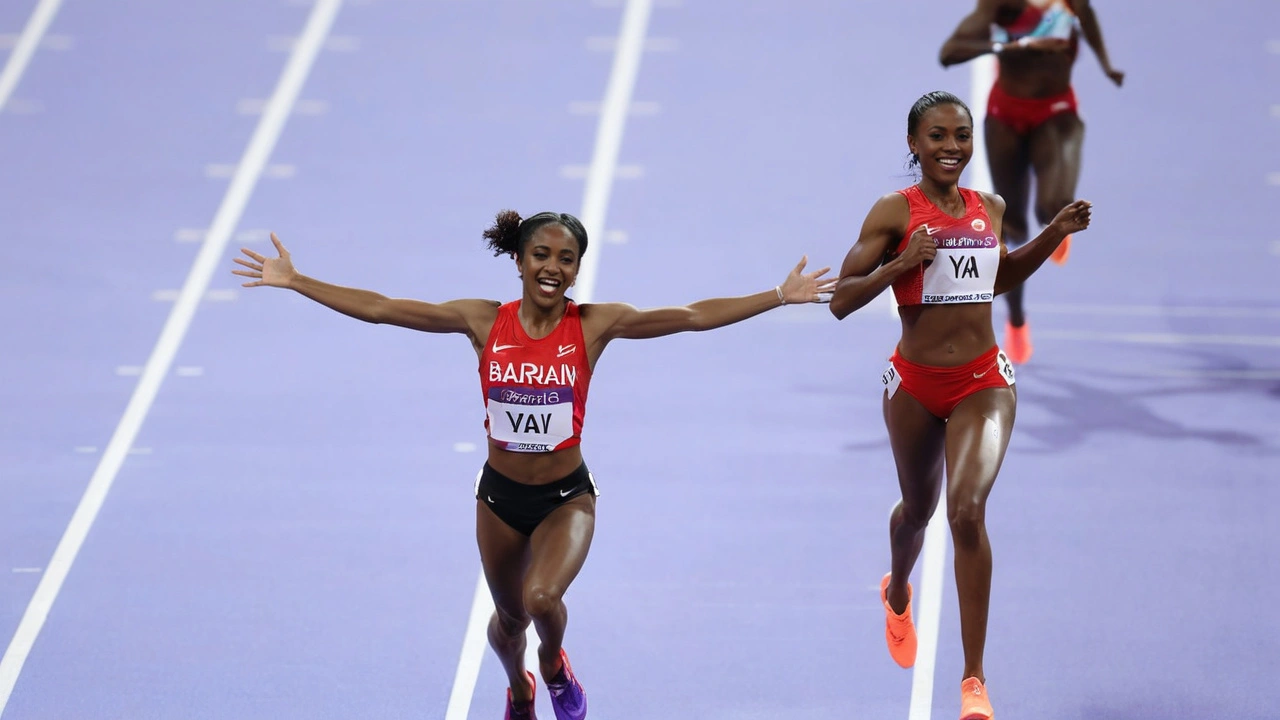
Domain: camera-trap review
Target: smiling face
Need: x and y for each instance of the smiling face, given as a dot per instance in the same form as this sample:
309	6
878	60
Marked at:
943	142
549	265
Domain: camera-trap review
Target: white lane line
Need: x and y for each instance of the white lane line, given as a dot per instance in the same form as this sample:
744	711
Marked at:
171	295
9	41
590	107
192	235
1161	338
188	371
1162	310
595	204
611	44
129	370
27	570
617	237
580	172
207	261
24	48
464	447
255	106
222	171
928	611
335	43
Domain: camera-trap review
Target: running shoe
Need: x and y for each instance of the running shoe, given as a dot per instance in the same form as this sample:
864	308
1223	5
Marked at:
974	703
567	697
526	713
1017	343
899	631
1060	255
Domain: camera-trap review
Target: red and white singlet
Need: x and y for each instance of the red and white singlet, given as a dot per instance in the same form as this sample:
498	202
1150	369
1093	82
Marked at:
535	390
964	270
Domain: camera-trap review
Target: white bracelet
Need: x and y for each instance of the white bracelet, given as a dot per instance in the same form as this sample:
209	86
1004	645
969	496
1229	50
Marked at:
997	48
780	298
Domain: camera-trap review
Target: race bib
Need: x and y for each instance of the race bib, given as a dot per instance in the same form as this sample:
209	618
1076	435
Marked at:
530	419
891	380
1004	367
964	270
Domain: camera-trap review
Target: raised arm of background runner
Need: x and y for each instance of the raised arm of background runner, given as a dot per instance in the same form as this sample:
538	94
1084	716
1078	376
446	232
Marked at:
972	37
1093	35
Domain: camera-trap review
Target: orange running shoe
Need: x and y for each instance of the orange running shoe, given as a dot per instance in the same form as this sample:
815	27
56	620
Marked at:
899	631
1017	343
1060	255
974	703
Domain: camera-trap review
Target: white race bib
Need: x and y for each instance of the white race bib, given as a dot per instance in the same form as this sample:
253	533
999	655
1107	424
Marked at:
530	419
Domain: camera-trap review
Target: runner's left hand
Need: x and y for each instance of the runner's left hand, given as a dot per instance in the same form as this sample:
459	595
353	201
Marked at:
802	287
1074	217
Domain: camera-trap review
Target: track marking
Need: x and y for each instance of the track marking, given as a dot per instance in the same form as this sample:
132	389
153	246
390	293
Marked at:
1161	338
20	58
228	214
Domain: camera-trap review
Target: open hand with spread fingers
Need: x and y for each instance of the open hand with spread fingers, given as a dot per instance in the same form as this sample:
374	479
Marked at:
273	272
802	287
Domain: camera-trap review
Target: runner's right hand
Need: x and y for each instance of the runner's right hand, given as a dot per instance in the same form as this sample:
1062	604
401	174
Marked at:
920	248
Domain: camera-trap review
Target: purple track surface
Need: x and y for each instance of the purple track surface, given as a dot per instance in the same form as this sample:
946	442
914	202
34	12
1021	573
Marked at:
293	535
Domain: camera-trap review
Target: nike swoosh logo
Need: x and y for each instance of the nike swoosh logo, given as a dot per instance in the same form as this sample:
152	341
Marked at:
563	493
500	348
984	372
930	231
490	499
566	349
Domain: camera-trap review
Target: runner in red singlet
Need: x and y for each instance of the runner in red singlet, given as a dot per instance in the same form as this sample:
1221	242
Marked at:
535	498
1032	122
949	396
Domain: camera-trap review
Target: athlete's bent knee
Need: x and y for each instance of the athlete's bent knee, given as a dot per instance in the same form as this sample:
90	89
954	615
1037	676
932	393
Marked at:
542	601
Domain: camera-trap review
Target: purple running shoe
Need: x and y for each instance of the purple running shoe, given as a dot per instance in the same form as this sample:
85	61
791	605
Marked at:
567	697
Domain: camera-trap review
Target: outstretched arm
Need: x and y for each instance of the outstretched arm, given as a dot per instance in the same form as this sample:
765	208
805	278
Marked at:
1018	265
972	37
619	320
457	316
865	274
1093	35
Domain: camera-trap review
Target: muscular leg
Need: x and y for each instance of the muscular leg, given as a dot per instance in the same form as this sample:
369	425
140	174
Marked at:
560	546
1007	156
505	556
977	437
1055	154
916	436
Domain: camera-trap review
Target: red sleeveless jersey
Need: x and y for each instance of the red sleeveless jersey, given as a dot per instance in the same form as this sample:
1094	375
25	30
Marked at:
964	270
535	390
